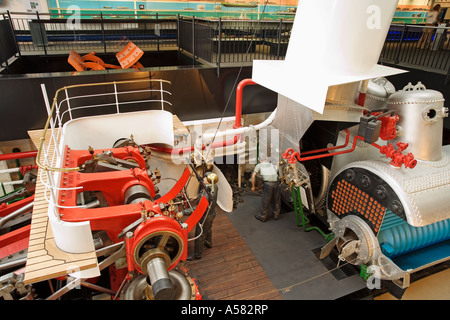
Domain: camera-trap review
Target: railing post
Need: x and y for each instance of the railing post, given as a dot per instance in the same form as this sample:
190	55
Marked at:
117	98
42	33
397	54
161	92
159	31
193	40
103	32
219	42
14	32
50	115
178	36
280	26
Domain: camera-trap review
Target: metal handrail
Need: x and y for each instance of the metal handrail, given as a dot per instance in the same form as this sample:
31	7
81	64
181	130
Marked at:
55	107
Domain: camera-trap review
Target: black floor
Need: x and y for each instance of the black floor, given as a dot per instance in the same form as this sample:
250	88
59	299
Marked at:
288	256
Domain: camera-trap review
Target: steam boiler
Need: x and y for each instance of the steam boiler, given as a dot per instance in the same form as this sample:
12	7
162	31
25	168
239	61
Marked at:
368	156
384	188
388	216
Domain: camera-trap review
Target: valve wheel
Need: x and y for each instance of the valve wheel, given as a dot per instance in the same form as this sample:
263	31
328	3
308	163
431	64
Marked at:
357	241
164	244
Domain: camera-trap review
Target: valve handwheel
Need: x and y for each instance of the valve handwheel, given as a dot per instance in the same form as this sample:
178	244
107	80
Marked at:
157	247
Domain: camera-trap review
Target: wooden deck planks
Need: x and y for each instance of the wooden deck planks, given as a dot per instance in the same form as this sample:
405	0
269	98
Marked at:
229	270
44	259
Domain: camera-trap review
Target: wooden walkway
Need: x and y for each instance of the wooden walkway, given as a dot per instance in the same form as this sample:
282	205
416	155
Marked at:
44	260
229	270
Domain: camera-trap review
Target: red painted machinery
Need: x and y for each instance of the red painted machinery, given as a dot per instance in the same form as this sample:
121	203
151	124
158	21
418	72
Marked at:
120	198
115	191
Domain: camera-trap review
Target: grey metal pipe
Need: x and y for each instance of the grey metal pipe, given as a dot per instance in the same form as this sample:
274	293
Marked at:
162	286
16	213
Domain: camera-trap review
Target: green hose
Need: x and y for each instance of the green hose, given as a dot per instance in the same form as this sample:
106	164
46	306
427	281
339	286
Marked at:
296	197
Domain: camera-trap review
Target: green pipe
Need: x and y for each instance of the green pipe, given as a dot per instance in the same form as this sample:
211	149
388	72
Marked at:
15	150
3	189
257	152
298	206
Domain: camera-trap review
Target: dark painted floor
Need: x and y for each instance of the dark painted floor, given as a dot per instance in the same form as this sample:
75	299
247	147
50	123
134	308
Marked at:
287	255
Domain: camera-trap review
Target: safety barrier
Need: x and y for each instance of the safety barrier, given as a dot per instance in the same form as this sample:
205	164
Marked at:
78	101
217	42
423	47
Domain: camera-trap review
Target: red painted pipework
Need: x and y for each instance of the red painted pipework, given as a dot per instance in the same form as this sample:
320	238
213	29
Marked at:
295	156
361	99
239	90
176	150
226	143
398	158
18	155
14	241
237	124
347	138
7	209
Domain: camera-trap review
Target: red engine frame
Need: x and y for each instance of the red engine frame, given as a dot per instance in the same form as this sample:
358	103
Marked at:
117	215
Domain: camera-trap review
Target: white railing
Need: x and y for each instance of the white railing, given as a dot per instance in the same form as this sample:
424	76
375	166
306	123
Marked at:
78	101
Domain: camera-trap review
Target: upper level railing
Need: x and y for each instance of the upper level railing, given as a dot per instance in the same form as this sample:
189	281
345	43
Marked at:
423	47
233	42
217	42
43	34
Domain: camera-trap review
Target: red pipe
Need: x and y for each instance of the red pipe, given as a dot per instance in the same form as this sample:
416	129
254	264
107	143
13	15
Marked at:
226	143
347	138
237	124
398	158
174	151
14	241
295	156
361	99
6	209
239	90
18	155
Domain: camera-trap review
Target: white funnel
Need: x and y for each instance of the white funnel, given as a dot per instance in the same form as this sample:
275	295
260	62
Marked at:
336	42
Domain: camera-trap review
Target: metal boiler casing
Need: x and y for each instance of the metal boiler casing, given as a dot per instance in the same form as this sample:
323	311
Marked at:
400	217
395	218
378	92
421	113
422	192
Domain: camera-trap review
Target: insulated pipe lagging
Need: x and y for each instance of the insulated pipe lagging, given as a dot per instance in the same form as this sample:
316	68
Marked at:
162	286
238	129
242	130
